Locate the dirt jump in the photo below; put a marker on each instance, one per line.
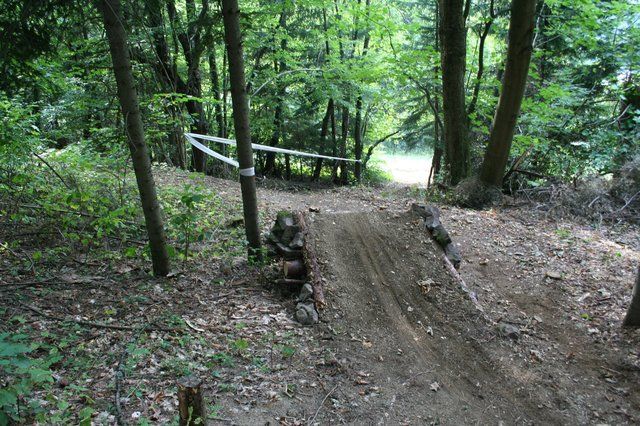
(417, 346)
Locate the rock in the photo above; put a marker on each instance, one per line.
(430, 214)
(453, 254)
(441, 236)
(306, 313)
(508, 330)
(297, 242)
(285, 227)
(287, 252)
(289, 233)
(555, 275)
(272, 237)
(284, 219)
(306, 293)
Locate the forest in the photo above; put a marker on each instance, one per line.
(202, 219)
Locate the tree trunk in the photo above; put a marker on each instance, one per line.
(373, 146)
(240, 101)
(632, 319)
(330, 106)
(334, 143)
(483, 38)
(323, 137)
(279, 67)
(453, 56)
(225, 91)
(436, 161)
(344, 173)
(192, 44)
(215, 86)
(287, 167)
(214, 76)
(166, 72)
(139, 154)
(358, 132)
(514, 83)
(357, 138)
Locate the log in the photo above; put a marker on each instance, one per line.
(293, 268)
(311, 263)
(290, 282)
(463, 286)
(191, 402)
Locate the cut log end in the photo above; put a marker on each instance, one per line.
(191, 405)
(293, 268)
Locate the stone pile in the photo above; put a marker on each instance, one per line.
(287, 240)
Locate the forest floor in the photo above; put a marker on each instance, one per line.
(399, 342)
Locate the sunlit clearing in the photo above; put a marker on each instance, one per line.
(410, 169)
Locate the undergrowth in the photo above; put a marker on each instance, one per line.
(81, 206)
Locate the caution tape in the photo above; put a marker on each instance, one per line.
(212, 153)
(193, 136)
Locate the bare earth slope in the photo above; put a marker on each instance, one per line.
(429, 353)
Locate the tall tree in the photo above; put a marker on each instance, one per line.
(453, 56)
(357, 125)
(165, 68)
(330, 113)
(194, 37)
(113, 25)
(240, 102)
(215, 87)
(436, 162)
(279, 67)
(521, 29)
(484, 33)
(324, 130)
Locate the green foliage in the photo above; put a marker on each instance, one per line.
(186, 218)
(19, 135)
(23, 374)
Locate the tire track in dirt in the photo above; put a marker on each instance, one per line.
(386, 293)
(375, 262)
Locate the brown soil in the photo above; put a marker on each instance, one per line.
(388, 288)
(372, 359)
(410, 325)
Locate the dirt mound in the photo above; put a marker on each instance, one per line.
(416, 339)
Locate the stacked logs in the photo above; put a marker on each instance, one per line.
(431, 217)
(288, 238)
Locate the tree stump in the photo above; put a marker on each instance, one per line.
(191, 402)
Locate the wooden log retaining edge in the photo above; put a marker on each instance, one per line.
(311, 262)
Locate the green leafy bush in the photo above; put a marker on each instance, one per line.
(21, 375)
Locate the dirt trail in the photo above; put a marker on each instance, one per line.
(407, 329)
(373, 360)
